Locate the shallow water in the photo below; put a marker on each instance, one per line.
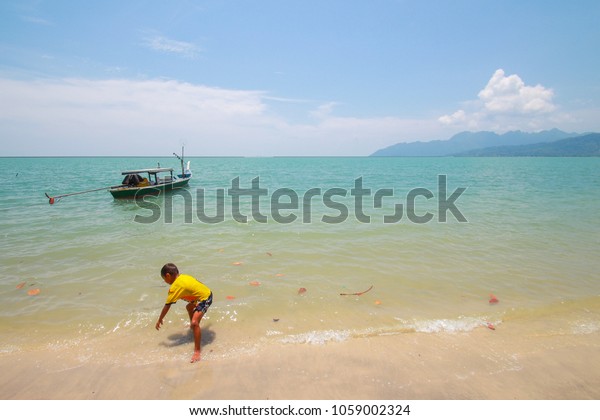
(532, 239)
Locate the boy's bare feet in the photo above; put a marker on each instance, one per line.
(196, 356)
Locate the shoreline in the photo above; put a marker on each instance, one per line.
(478, 365)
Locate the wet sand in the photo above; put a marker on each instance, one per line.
(482, 364)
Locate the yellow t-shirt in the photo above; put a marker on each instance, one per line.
(187, 288)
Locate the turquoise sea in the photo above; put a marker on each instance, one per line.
(531, 238)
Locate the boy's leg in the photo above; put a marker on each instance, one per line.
(190, 308)
(195, 325)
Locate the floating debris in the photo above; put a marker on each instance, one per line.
(377, 302)
(275, 319)
(301, 291)
(33, 292)
(279, 275)
(357, 293)
(229, 297)
(490, 326)
(269, 254)
(493, 299)
(21, 285)
(254, 283)
(238, 263)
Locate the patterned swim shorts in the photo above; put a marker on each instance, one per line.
(203, 305)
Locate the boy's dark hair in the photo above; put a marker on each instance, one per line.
(169, 268)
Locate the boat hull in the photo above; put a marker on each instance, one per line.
(136, 192)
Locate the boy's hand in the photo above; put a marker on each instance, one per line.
(162, 315)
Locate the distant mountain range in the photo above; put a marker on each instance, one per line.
(513, 143)
(586, 145)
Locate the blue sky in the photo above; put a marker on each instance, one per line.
(268, 78)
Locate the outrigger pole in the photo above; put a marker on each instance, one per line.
(52, 200)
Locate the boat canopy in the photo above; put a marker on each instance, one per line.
(147, 171)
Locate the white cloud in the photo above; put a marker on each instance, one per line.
(509, 94)
(458, 116)
(36, 20)
(323, 110)
(118, 116)
(507, 103)
(163, 44)
(150, 117)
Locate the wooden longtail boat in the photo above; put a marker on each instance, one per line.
(141, 182)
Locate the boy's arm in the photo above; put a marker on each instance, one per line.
(164, 311)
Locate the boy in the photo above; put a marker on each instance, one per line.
(191, 290)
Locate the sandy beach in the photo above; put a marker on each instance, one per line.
(507, 363)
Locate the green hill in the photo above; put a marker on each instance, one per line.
(466, 141)
(585, 145)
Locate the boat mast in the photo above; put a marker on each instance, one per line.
(181, 159)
